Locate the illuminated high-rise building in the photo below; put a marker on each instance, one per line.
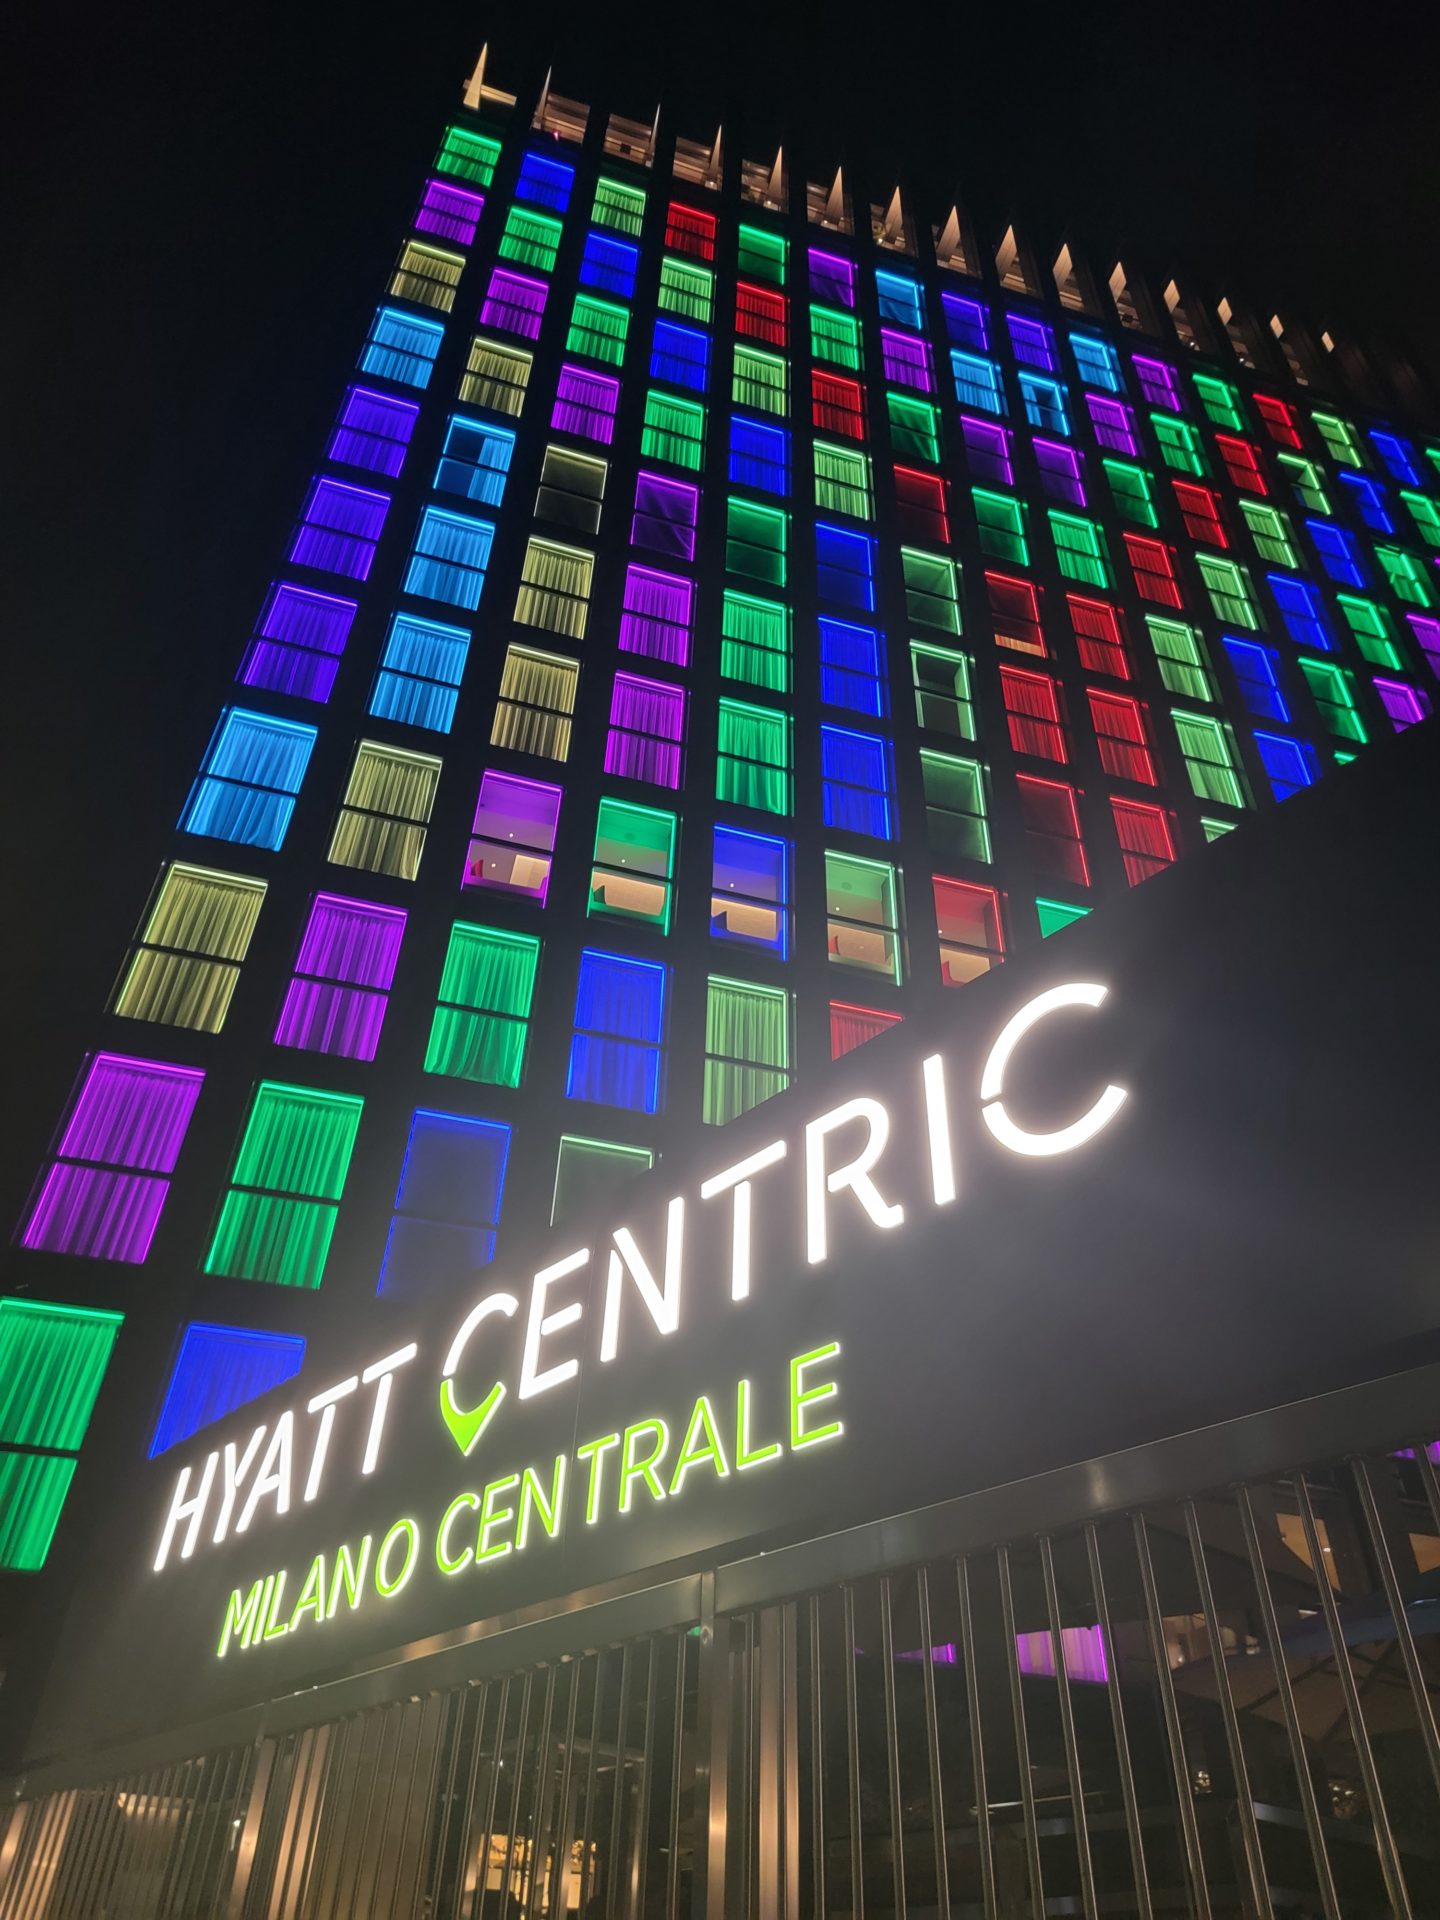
(734, 613)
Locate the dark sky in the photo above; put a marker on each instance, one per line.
(204, 202)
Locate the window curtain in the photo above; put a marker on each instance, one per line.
(585, 405)
(217, 1370)
(32, 1493)
(298, 1140)
(203, 912)
(620, 997)
(304, 619)
(647, 725)
(514, 305)
(340, 526)
(665, 515)
(352, 941)
(530, 238)
(272, 1239)
(449, 558)
(555, 588)
(131, 1113)
(389, 781)
(755, 641)
(323, 1018)
(754, 752)
(673, 431)
(906, 362)
(373, 431)
(488, 970)
(656, 615)
(747, 1023)
(401, 347)
(454, 1168)
(495, 377)
(449, 212)
(760, 456)
(52, 1361)
(425, 649)
(851, 1027)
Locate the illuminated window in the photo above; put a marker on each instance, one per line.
(339, 528)
(688, 230)
(468, 155)
(762, 314)
(842, 481)
(852, 667)
(1032, 710)
(862, 914)
(401, 347)
(845, 567)
(750, 890)
(588, 1171)
(1147, 845)
(598, 329)
(755, 641)
(1080, 549)
(279, 1214)
(216, 1370)
(617, 1052)
(533, 240)
(851, 1027)
(920, 505)
(634, 863)
(914, 427)
(1097, 362)
(495, 376)
(1280, 420)
(188, 950)
(572, 492)
(427, 275)
(1131, 488)
(835, 337)
(1179, 444)
(1427, 634)
(1153, 565)
(687, 290)
(545, 182)
(832, 280)
(475, 460)
(1052, 829)
(1340, 441)
(1333, 690)
(52, 1362)
(837, 405)
(900, 300)
(1228, 586)
(857, 782)
(512, 836)
(1426, 515)
(1306, 479)
(447, 1205)
(1033, 343)
(1406, 576)
(761, 381)
(1404, 706)
(987, 450)
(1061, 476)
(420, 673)
(666, 512)
(647, 730)
(1044, 402)
(1373, 630)
(674, 430)
(966, 322)
(756, 539)
(1220, 401)
(1290, 765)
(585, 404)
(482, 1009)
(249, 778)
(386, 810)
(943, 699)
(1099, 637)
(1398, 455)
(514, 304)
(1122, 737)
(1055, 915)
(618, 205)
(657, 609)
(1001, 521)
(1114, 424)
(1302, 608)
(967, 919)
(759, 456)
(906, 362)
(1271, 533)
(747, 1047)
(956, 822)
(1211, 760)
(1158, 383)
(449, 558)
(1369, 498)
(932, 590)
(761, 256)
(537, 699)
(977, 382)
(374, 431)
(1181, 657)
(753, 765)
(606, 264)
(1200, 510)
(680, 355)
(1242, 463)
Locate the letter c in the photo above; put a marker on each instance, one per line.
(992, 1078)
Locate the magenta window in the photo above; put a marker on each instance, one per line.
(987, 450)
(1427, 632)
(373, 432)
(906, 361)
(339, 528)
(298, 643)
(585, 404)
(449, 211)
(1114, 424)
(656, 614)
(1404, 706)
(665, 515)
(513, 836)
(102, 1196)
(1158, 383)
(647, 730)
(514, 304)
(1060, 473)
(336, 1002)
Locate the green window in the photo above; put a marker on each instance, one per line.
(753, 768)
(1374, 634)
(278, 1217)
(634, 863)
(1208, 746)
(495, 376)
(686, 289)
(955, 811)
(755, 641)
(1002, 526)
(427, 275)
(1131, 488)
(1179, 443)
(1080, 549)
(1332, 688)
(618, 206)
(188, 951)
(1406, 576)
(756, 539)
(914, 427)
(1228, 586)
(52, 1361)
(747, 1047)
(1182, 659)
(1339, 438)
(588, 1171)
(842, 481)
(862, 916)
(932, 590)
(761, 256)
(835, 336)
(386, 811)
(943, 700)
(1215, 829)
(598, 329)
(1272, 534)
(1306, 479)
(482, 1010)
(1055, 915)
(1221, 402)
(468, 156)
(1425, 514)
(761, 381)
(531, 238)
(674, 430)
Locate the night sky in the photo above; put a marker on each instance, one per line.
(205, 202)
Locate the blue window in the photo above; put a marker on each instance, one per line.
(339, 528)
(858, 781)
(1033, 343)
(1339, 552)
(900, 300)
(1289, 764)
(1259, 679)
(852, 667)
(977, 382)
(249, 779)
(616, 1053)
(218, 1369)
(449, 558)
(680, 355)
(750, 890)
(845, 567)
(544, 182)
(609, 264)
(1303, 611)
(475, 461)
(1097, 360)
(401, 347)
(759, 456)
(1398, 455)
(373, 431)
(1045, 403)
(966, 322)
(420, 673)
(447, 1205)
(1369, 497)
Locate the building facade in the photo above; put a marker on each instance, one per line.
(732, 615)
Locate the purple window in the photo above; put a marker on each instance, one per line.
(1427, 633)
(831, 278)
(1114, 424)
(665, 515)
(966, 322)
(1033, 341)
(1404, 706)
(514, 836)
(339, 528)
(1060, 473)
(647, 730)
(987, 450)
(373, 432)
(336, 1002)
(514, 304)
(585, 404)
(299, 641)
(449, 211)
(656, 615)
(906, 360)
(104, 1192)
(1158, 383)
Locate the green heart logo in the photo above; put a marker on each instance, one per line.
(466, 1424)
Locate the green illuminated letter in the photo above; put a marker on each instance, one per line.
(532, 1496)
(350, 1575)
(492, 1515)
(386, 1586)
(745, 1454)
(273, 1632)
(632, 1469)
(443, 1557)
(594, 1451)
(312, 1593)
(701, 1442)
(241, 1618)
(802, 1396)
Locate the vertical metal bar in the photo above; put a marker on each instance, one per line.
(130, 1834)
(83, 1821)
(983, 1837)
(459, 1701)
(192, 1894)
(1414, 1672)
(422, 1759)
(713, 1750)
(286, 1823)
(492, 1797)
(790, 1713)
(852, 1757)
(1198, 1890)
(185, 1788)
(932, 1749)
(892, 1751)
(1379, 1818)
(817, 1766)
(434, 1724)
(1022, 1740)
(748, 1753)
(672, 1857)
(531, 1821)
(769, 1757)
(472, 1782)
(30, 1875)
(318, 1790)
(635, 1898)
(150, 1856)
(1067, 1728)
(333, 1813)
(1144, 1907)
(512, 1818)
(617, 1804)
(597, 1707)
(563, 1825)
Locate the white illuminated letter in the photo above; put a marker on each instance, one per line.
(937, 1125)
(992, 1079)
(236, 1468)
(324, 1404)
(540, 1325)
(663, 1303)
(274, 1474)
(855, 1174)
(183, 1509)
(382, 1371)
(737, 1179)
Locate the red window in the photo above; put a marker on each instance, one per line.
(1032, 707)
(1201, 511)
(851, 1027)
(1153, 564)
(836, 405)
(1099, 638)
(1015, 611)
(1146, 843)
(688, 230)
(1243, 461)
(760, 314)
(967, 918)
(920, 505)
(1052, 827)
(1280, 418)
(1121, 736)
